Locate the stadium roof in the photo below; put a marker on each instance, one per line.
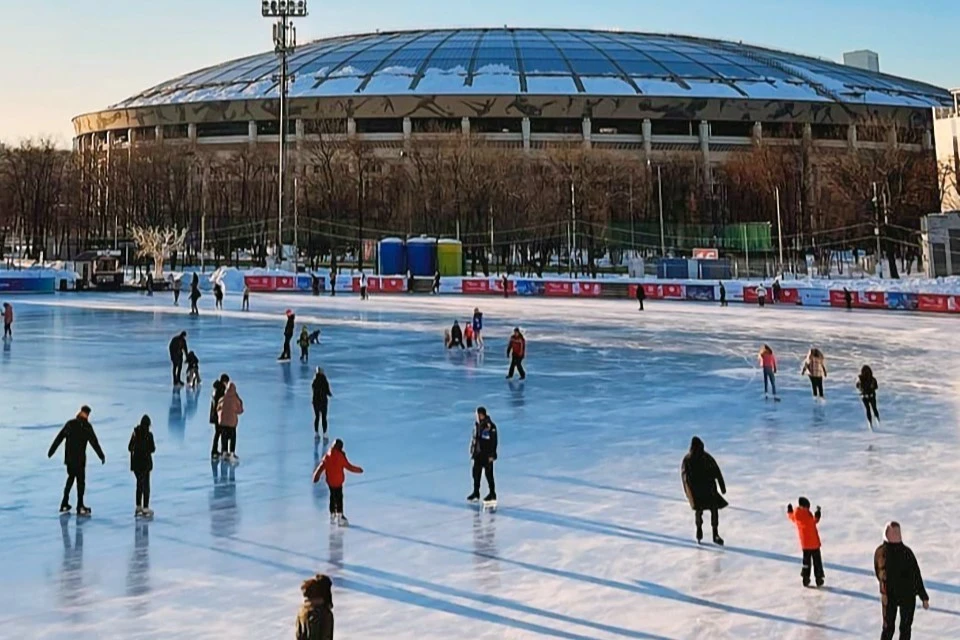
(504, 61)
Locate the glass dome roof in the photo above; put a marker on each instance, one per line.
(563, 62)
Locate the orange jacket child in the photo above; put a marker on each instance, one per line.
(809, 539)
(335, 463)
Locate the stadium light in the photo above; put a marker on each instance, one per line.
(284, 42)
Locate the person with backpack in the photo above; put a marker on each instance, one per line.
(321, 401)
(142, 448)
(315, 619)
(334, 463)
(867, 386)
(806, 523)
(78, 433)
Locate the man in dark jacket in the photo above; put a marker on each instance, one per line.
(178, 350)
(288, 336)
(78, 433)
(456, 335)
(701, 476)
(777, 289)
(483, 451)
(723, 295)
(142, 448)
(641, 295)
(900, 583)
(321, 396)
(517, 350)
(847, 299)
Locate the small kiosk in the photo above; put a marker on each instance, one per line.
(99, 270)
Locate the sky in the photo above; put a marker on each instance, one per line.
(68, 57)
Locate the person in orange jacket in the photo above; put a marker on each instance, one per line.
(809, 539)
(335, 463)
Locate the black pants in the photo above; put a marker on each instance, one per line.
(319, 414)
(456, 342)
(285, 354)
(219, 304)
(336, 500)
(245, 305)
(516, 364)
(762, 301)
(217, 436)
(80, 475)
(7, 330)
(484, 466)
(176, 294)
(723, 301)
(304, 352)
(363, 293)
(870, 404)
(228, 439)
(714, 520)
(816, 383)
(890, 620)
(193, 306)
(143, 489)
(641, 304)
(814, 556)
(177, 370)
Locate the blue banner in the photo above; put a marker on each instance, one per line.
(700, 292)
(528, 287)
(16, 284)
(902, 301)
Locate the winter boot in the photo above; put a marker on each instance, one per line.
(717, 540)
(343, 521)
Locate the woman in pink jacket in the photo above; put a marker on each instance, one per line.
(769, 364)
(229, 409)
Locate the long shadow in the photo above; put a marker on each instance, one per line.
(600, 582)
(399, 595)
(467, 595)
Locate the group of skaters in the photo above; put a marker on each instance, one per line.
(195, 294)
(472, 333)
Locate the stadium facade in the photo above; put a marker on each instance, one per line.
(529, 89)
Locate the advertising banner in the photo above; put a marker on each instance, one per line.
(872, 299)
(558, 289)
(392, 285)
(529, 288)
(953, 304)
(902, 301)
(28, 285)
(260, 284)
(789, 296)
(700, 292)
(932, 302)
(305, 282)
(473, 286)
(672, 291)
(586, 289)
(496, 286)
(837, 298)
(814, 297)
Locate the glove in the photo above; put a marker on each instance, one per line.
(790, 507)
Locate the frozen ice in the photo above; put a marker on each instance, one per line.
(593, 538)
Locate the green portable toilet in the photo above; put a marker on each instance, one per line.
(450, 257)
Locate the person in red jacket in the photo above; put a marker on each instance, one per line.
(809, 539)
(517, 349)
(7, 320)
(335, 463)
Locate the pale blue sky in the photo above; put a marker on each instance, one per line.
(66, 57)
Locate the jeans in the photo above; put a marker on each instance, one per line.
(228, 439)
(484, 466)
(336, 500)
(890, 620)
(816, 383)
(304, 353)
(769, 375)
(143, 489)
(319, 413)
(814, 556)
(80, 475)
(516, 364)
(870, 404)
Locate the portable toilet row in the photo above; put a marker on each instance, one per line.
(422, 256)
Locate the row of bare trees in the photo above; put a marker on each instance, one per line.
(520, 208)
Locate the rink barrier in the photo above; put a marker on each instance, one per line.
(27, 284)
(586, 288)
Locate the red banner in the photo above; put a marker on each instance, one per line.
(953, 304)
(837, 298)
(673, 291)
(932, 302)
(496, 286)
(391, 285)
(286, 283)
(259, 284)
(476, 286)
(587, 289)
(871, 299)
(373, 285)
(558, 289)
(789, 296)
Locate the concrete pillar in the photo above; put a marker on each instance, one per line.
(525, 130)
(251, 132)
(465, 126)
(192, 132)
(807, 133)
(300, 127)
(131, 136)
(587, 132)
(158, 133)
(351, 127)
(927, 140)
(704, 135)
(647, 131)
(852, 136)
(407, 129)
(757, 133)
(892, 137)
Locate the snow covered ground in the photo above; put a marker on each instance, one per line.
(593, 538)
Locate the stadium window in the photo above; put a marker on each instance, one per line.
(272, 127)
(731, 129)
(672, 128)
(379, 125)
(145, 134)
(221, 129)
(614, 127)
(782, 130)
(496, 125)
(910, 135)
(556, 125)
(325, 126)
(175, 131)
(435, 125)
(829, 131)
(872, 133)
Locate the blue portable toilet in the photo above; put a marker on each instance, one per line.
(393, 257)
(422, 256)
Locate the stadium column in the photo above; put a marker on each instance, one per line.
(351, 127)
(465, 126)
(705, 150)
(252, 132)
(192, 132)
(587, 131)
(927, 140)
(525, 129)
(158, 133)
(131, 137)
(757, 133)
(647, 131)
(852, 136)
(407, 130)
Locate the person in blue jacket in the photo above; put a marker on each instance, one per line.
(478, 327)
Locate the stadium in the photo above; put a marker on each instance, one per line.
(530, 89)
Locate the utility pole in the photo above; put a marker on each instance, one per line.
(573, 225)
(779, 228)
(877, 230)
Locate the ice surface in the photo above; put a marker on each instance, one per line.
(593, 537)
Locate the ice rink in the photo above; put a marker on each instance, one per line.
(593, 538)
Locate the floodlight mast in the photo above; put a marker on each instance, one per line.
(284, 42)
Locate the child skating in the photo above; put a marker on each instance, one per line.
(334, 463)
(867, 386)
(193, 370)
(815, 366)
(809, 539)
(304, 343)
(141, 450)
(769, 364)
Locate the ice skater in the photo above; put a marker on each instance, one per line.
(411, 283)
(334, 463)
(333, 281)
(178, 349)
(315, 284)
(505, 281)
(517, 350)
(456, 336)
(142, 448)
(193, 370)
(194, 297)
(229, 410)
(468, 334)
(478, 327)
(177, 282)
(245, 304)
(806, 523)
(321, 401)
(847, 299)
(777, 291)
(7, 320)
(815, 366)
(641, 296)
(314, 337)
(867, 386)
(701, 476)
(436, 283)
(149, 284)
(901, 583)
(219, 388)
(304, 343)
(315, 620)
(363, 286)
(78, 433)
(761, 295)
(723, 295)
(483, 452)
(768, 362)
(218, 295)
(287, 336)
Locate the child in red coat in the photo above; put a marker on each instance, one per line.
(335, 463)
(809, 539)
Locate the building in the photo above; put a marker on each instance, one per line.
(940, 234)
(863, 59)
(946, 130)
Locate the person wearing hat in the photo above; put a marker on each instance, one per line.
(141, 450)
(78, 433)
(288, 336)
(321, 396)
(178, 350)
(901, 583)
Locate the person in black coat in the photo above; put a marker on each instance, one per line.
(847, 299)
(723, 295)
(901, 583)
(701, 476)
(219, 388)
(321, 396)
(641, 295)
(194, 297)
(149, 284)
(78, 433)
(218, 295)
(288, 335)
(456, 336)
(483, 451)
(142, 448)
(178, 350)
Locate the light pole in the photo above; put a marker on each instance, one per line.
(776, 192)
(663, 241)
(284, 41)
